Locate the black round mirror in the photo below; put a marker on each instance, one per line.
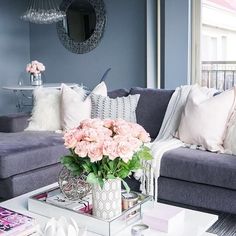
(81, 20)
(83, 26)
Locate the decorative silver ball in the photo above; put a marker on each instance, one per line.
(73, 187)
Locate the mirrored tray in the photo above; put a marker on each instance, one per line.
(52, 203)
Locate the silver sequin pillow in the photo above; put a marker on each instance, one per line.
(114, 108)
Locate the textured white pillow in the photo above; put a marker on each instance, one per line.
(114, 108)
(46, 110)
(76, 106)
(204, 119)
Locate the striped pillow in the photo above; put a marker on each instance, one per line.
(120, 107)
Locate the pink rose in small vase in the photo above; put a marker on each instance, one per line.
(35, 67)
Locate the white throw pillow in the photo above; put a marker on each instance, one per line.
(46, 110)
(76, 106)
(204, 119)
(230, 139)
(114, 108)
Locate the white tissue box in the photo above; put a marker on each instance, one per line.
(165, 218)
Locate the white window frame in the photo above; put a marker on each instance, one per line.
(195, 42)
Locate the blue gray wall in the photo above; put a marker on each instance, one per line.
(123, 48)
(176, 43)
(14, 50)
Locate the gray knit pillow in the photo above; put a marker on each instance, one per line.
(120, 107)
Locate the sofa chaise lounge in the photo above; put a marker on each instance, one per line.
(29, 160)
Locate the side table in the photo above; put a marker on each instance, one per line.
(23, 93)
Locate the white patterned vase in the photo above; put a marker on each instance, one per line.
(107, 201)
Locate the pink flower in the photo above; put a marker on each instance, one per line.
(120, 138)
(81, 149)
(135, 143)
(40, 67)
(91, 123)
(96, 123)
(95, 152)
(112, 138)
(90, 135)
(108, 123)
(35, 67)
(78, 134)
(105, 132)
(119, 126)
(70, 139)
(144, 137)
(125, 151)
(85, 123)
(110, 149)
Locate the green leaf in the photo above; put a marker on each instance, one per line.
(101, 182)
(109, 176)
(72, 166)
(92, 179)
(94, 167)
(67, 160)
(127, 188)
(86, 168)
(134, 163)
(111, 165)
(123, 173)
(145, 154)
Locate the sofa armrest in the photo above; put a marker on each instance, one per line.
(14, 122)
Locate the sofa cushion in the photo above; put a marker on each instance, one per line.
(194, 195)
(200, 167)
(29, 181)
(151, 108)
(14, 122)
(118, 93)
(24, 151)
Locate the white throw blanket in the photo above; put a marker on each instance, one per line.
(165, 141)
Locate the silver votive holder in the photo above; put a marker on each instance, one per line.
(129, 199)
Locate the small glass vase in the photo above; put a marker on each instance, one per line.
(36, 79)
(107, 201)
(73, 187)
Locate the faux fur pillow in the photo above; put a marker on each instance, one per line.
(46, 110)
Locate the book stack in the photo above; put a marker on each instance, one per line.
(82, 206)
(16, 224)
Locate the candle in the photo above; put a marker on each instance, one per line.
(129, 199)
(137, 230)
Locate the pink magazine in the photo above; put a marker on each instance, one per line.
(12, 222)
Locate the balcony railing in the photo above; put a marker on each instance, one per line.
(218, 74)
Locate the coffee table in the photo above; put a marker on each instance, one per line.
(196, 223)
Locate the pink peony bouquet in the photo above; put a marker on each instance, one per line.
(35, 67)
(106, 149)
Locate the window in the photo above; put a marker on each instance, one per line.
(214, 33)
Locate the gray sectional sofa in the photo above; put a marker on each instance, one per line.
(29, 160)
